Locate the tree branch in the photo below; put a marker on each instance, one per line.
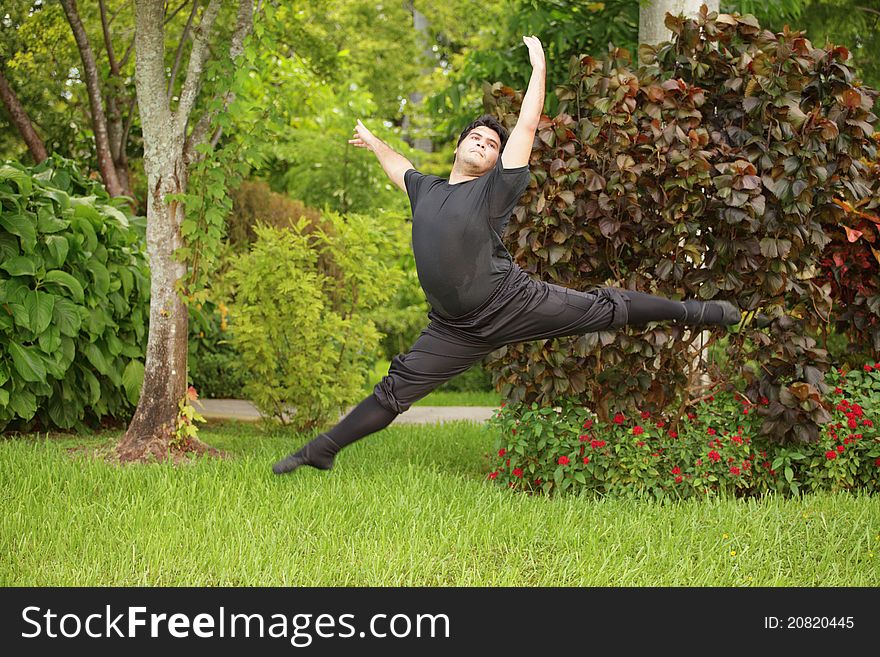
(21, 120)
(191, 85)
(99, 121)
(150, 68)
(244, 25)
(108, 43)
(180, 46)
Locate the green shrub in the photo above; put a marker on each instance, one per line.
(74, 299)
(305, 338)
(715, 448)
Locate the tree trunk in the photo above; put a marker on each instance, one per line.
(652, 15)
(21, 120)
(420, 24)
(151, 430)
(92, 80)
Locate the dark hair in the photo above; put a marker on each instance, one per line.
(488, 121)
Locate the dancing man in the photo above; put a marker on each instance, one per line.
(480, 299)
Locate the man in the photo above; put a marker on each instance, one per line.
(480, 300)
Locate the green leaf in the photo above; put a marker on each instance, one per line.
(24, 403)
(19, 266)
(93, 385)
(66, 317)
(21, 226)
(4, 396)
(66, 280)
(40, 306)
(100, 275)
(58, 249)
(96, 357)
(789, 474)
(20, 178)
(50, 339)
(27, 362)
(132, 380)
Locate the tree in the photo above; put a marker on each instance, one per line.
(652, 16)
(171, 144)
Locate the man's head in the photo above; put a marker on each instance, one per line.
(480, 145)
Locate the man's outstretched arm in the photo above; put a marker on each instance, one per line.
(394, 163)
(519, 144)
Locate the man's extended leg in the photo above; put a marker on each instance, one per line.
(437, 356)
(543, 310)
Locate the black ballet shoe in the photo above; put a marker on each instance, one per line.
(721, 313)
(319, 453)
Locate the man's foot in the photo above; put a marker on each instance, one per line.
(711, 312)
(319, 453)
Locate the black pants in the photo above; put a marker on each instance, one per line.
(519, 310)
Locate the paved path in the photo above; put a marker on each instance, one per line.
(240, 409)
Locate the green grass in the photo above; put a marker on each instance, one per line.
(409, 506)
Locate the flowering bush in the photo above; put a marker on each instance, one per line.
(716, 447)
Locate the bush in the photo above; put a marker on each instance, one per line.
(715, 448)
(74, 299)
(305, 337)
(709, 172)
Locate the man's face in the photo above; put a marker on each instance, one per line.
(478, 151)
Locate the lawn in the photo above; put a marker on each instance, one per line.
(409, 506)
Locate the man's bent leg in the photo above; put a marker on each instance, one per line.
(437, 356)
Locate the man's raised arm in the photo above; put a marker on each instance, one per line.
(519, 144)
(394, 163)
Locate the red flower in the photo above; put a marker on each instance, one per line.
(764, 401)
(640, 444)
(508, 463)
(766, 464)
(660, 424)
(857, 410)
(851, 423)
(736, 439)
(586, 460)
(745, 411)
(711, 431)
(734, 470)
(692, 416)
(502, 452)
(839, 391)
(673, 434)
(493, 475)
(867, 368)
(867, 423)
(563, 460)
(714, 456)
(517, 472)
(840, 449)
(676, 470)
(584, 438)
(877, 463)
(596, 444)
(699, 461)
(645, 415)
(513, 431)
(588, 424)
(503, 404)
(830, 455)
(678, 480)
(637, 430)
(618, 418)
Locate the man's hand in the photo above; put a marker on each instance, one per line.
(536, 52)
(363, 138)
(394, 164)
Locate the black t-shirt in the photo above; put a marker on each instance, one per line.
(457, 232)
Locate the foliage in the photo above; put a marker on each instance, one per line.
(851, 265)
(186, 430)
(74, 290)
(709, 174)
(715, 448)
(305, 337)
